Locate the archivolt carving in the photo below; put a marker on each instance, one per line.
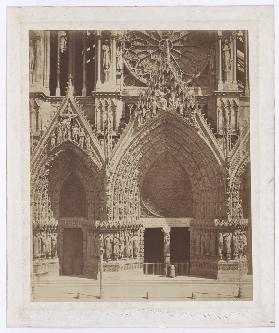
(164, 135)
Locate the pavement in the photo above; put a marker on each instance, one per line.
(145, 287)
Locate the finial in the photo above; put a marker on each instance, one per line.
(70, 88)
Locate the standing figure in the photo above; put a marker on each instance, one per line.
(54, 245)
(81, 137)
(106, 61)
(75, 131)
(119, 59)
(43, 244)
(59, 133)
(87, 141)
(106, 56)
(108, 248)
(36, 251)
(68, 128)
(52, 140)
(235, 239)
(228, 238)
(227, 60)
(220, 245)
(122, 246)
(32, 55)
(154, 106)
(48, 245)
(115, 249)
(135, 248)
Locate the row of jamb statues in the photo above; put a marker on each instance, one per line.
(45, 243)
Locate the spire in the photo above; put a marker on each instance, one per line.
(70, 88)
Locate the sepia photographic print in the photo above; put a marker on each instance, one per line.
(141, 173)
(140, 164)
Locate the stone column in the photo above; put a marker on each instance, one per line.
(84, 64)
(98, 60)
(58, 92)
(246, 63)
(166, 233)
(220, 81)
(46, 72)
(113, 58)
(234, 59)
(71, 55)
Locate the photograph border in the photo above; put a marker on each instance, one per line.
(258, 20)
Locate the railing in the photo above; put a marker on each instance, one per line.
(181, 268)
(153, 268)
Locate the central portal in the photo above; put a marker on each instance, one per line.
(72, 251)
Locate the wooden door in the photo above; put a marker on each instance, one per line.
(72, 251)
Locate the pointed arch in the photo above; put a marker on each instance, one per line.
(70, 119)
(169, 134)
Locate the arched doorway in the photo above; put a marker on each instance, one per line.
(167, 161)
(72, 204)
(166, 196)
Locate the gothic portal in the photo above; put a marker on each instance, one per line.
(140, 148)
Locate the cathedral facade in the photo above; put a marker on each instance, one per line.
(140, 152)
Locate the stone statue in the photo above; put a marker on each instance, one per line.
(81, 137)
(126, 247)
(43, 244)
(62, 41)
(228, 238)
(48, 245)
(181, 108)
(162, 102)
(166, 242)
(235, 239)
(122, 247)
(52, 140)
(243, 245)
(154, 106)
(106, 56)
(119, 59)
(75, 132)
(32, 56)
(135, 248)
(59, 133)
(107, 248)
(115, 248)
(87, 141)
(36, 246)
(227, 56)
(220, 245)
